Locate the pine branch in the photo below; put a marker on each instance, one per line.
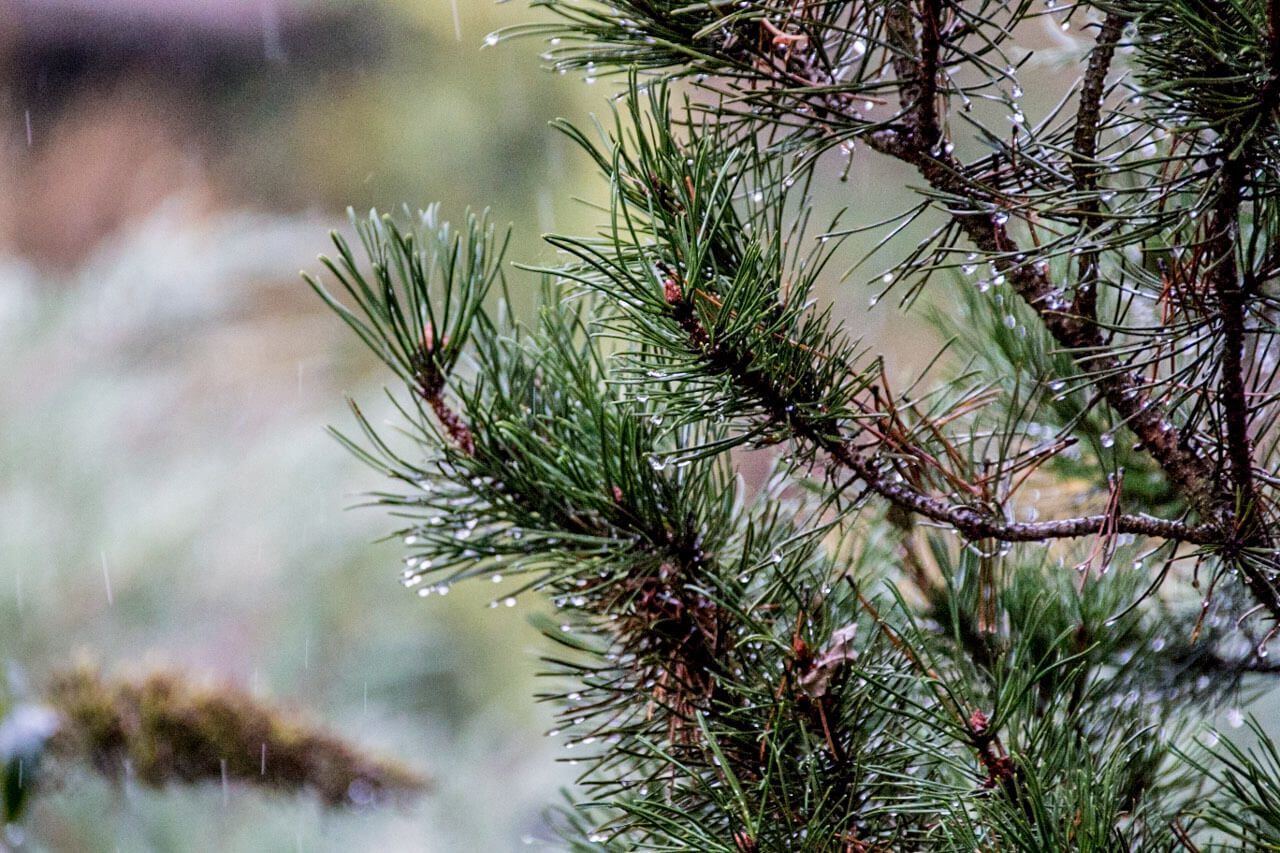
(726, 690)
(1176, 452)
(1076, 334)
(968, 521)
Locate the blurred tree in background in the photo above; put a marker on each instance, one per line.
(994, 605)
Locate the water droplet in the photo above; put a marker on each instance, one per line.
(1107, 439)
(1000, 218)
(491, 39)
(510, 601)
(1235, 718)
(497, 578)
(657, 464)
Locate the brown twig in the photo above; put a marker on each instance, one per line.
(1084, 149)
(1224, 278)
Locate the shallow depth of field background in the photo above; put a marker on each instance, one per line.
(169, 497)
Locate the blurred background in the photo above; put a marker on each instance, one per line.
(169, 497)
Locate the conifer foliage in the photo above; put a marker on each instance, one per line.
(995, 606)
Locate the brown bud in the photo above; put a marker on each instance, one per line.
(978, 722)
(671, 291)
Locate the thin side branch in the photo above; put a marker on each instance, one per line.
(1084, 150)
(430, 386)
(1225, 280)
(928, 128)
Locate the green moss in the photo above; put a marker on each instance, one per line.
(164, 730)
